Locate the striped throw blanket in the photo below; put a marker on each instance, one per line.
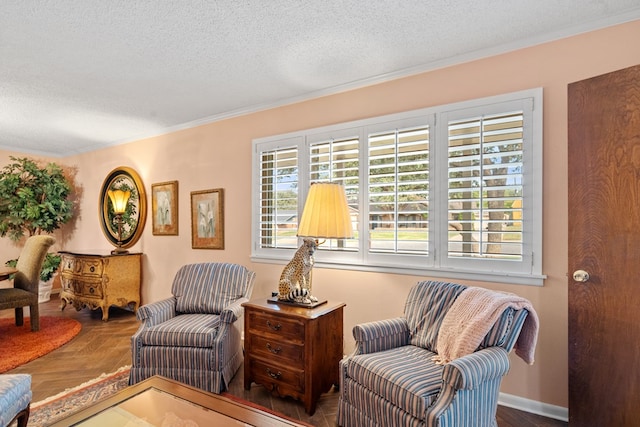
(472, 315)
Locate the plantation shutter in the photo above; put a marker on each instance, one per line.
(278, 198)
(398, 189)
(337, 161)
(452, 191)
(485, 187)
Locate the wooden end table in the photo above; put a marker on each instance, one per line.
(293, 351)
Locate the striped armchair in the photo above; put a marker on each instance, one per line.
(194, 336)
(392, 378)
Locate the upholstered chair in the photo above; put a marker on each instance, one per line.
(396, 377)
(15, 399)
(195, 335)
(27, 281)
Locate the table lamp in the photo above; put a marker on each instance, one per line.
(325, 216)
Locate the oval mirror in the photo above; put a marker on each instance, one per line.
(123, 230)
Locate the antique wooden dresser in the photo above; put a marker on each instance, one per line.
(100, 281)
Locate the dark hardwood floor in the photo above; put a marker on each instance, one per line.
(103, 347)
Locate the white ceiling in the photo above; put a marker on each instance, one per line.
(79, 75)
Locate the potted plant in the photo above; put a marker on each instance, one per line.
(34, 200)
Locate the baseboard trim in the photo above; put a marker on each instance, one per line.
(534, 407)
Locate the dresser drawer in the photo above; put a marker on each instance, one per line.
(91, 267)
(82, 266)
(68, 264)
(91, 290)
(280, 377)
(277, 350)
(81, 287)
(288, 329)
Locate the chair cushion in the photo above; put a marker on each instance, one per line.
(426, 306)
(12, 298)
(185, 330)
(208, 287)
(405, 376)
(15, 395)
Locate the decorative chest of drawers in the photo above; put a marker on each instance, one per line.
(100, 281)
(293, 351)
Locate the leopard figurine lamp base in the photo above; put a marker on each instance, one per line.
(295, 280)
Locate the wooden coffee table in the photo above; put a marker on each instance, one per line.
(159, 400)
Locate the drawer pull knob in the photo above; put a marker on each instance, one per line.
(273, 375)
(274, 327)
(92, 269)
(274, 350)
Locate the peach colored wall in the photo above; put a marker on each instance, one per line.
(218, 155)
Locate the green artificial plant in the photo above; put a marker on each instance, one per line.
(34, 200)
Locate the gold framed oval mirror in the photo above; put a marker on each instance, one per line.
(123, 229)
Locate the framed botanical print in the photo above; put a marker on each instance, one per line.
(164, 205)
(207, 219)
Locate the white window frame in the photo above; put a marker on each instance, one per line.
(436, 264)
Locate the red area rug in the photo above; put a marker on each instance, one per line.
(20, 345)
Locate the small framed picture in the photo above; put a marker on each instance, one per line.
(164, 205)
(207, 219)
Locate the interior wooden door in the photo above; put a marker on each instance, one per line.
(604, 241)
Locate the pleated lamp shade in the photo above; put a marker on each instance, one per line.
(326, 213)
(119, 199)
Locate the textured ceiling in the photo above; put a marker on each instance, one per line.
(79, 75)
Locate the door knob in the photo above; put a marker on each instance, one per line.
(580, 276)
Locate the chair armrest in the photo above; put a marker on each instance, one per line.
(469, 371)
(380, 335)
(157, 312)
(233, 311)
(470, 388)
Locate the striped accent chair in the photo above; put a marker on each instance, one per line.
(194, 336)
(391, 379)
(15, 399)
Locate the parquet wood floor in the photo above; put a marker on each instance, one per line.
(103, 347)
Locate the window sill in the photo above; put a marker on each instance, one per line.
(482, 276)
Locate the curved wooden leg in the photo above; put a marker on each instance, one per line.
(105, 313)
